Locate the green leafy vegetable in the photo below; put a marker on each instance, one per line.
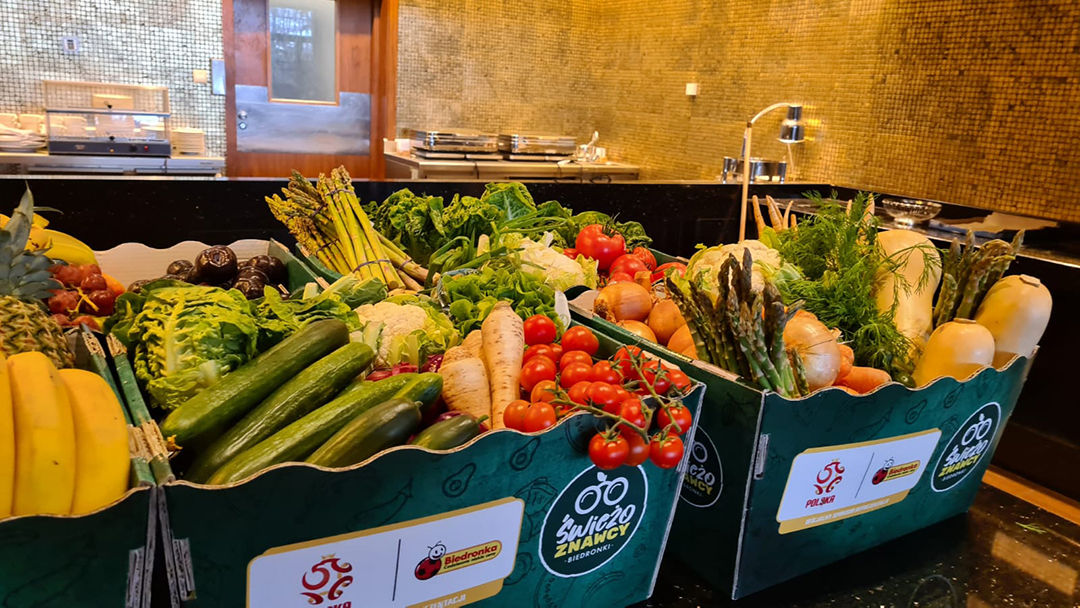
(414, 222)
(835, 264)
(472, 296)
(184, 337)
(511, 198)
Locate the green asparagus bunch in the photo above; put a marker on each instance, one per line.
(740, 330)
(969, 272)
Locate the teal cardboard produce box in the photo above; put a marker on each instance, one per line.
(508, 519)
(105, 557)
(775, 488)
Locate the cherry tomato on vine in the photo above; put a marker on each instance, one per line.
(579, 392)
(539, 416)
(604, 396)
(544, 391)
(602, 372)
(631, 411)
(580, 338)
(623, 393)
(556, 351)
(540, 330)
(645, 256)
(575, 356)
(574, 373)
(675, 413)
(639, 449)
(608, 453)
(666, 453)
(619, 277)
(593, 242)
(679, 381)
(657, 376)
(535, 370)
(542, 350)
(623, 359)
(514, 414)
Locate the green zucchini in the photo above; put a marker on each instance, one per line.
(426, 389)
(299, 439)
(304, 392)
(383, 426)
(449, 433)
(207, 414)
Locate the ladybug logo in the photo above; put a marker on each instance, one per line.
(882, 473)
(430, 565)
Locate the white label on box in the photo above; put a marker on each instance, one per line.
(836, 482)
(451, 559)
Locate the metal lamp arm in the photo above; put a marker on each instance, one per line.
(746, 162)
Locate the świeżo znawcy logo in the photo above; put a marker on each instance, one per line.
(704, 478)
(592, 519)
(967, 447)
(439, 561)
(326, 581)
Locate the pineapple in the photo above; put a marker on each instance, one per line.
(25, 280)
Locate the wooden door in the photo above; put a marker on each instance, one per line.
(310, 85)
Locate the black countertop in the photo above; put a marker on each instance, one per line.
(1003, 553)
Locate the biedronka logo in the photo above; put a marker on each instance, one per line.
(326, 581)
(967, 447)
(592, 519)
(439, 561)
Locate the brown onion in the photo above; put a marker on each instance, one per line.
(664, 319)
(623, 301)
(817, 346)
(638, 328)
(682, 342)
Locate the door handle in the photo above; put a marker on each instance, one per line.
(242, 114)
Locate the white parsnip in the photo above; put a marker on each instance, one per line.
(465, 386)
(503, 336)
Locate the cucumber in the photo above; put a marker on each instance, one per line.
(449, 433)
(209, 413)
(304, 392)
(426, 389)
(299, 439)
(383, 426)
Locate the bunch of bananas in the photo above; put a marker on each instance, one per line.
(63, 439)
(57, 245)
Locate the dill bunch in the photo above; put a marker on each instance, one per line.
(838, 265)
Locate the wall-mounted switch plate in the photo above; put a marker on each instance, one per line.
(200, 76)
(691, 89)
(70, 45)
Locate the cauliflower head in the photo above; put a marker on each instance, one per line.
(404, 330)
(707, 262)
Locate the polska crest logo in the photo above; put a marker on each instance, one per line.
(592, 519)
(326, 581)
(828, 478)
(967, 447)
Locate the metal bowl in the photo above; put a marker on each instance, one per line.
(907, 212)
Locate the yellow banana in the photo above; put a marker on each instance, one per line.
(101, 441)
(44, 437)
(69, 249)
(7, 443)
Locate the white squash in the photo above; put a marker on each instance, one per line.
(914, 306)
(1016, 310)
(956, 349)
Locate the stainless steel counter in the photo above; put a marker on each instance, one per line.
(43, 162)
(406, 166)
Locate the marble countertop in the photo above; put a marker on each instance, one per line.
(1003, 553)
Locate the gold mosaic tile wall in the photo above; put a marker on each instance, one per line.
(968, 101)
(154, 42)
